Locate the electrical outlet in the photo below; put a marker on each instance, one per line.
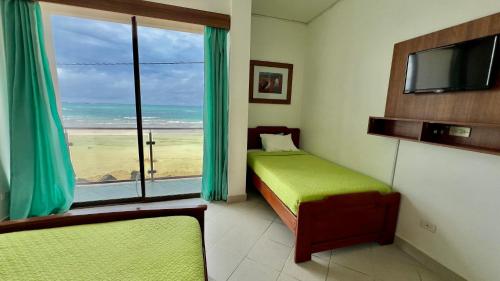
(456, 131)
(428, 226)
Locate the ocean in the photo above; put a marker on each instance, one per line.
(86, 115)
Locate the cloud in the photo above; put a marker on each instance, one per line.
(83, 40)
(79, 40)
(157, 44)
(89, 84)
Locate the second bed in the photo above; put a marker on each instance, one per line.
(325, 205)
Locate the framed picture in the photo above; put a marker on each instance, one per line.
(270, 82)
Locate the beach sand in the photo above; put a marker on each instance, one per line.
(98, 154)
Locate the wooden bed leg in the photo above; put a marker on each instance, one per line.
(391, 220)
(303, 250)
(302, 254)
(386, 240)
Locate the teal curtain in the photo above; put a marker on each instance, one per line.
(215, 120)
(42, 178)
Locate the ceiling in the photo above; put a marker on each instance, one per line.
(296, 10)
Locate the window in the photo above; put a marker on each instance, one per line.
(95, 72)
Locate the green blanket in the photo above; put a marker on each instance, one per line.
(166, 248)
(297, 177)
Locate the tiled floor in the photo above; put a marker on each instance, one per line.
(246, 241)
(105, 191)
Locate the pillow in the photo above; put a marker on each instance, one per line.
(273, 143)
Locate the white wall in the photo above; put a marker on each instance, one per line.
(459, 191)
(347, 74)
(279, 41)
(4, 134)
(239, 58)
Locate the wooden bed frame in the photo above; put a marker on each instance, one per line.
(121, 213)
(334, 222)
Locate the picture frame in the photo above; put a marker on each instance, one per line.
(270, 82)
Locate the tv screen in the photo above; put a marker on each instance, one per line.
(460, 67)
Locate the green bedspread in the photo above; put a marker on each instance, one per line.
(166, 248)
(297, 177)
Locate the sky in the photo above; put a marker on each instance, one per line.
(85, 41)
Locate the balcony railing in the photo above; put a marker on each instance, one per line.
(106, 155)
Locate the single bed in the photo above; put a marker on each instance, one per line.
(325, 205)
(135, 244)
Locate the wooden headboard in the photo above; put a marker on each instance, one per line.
(254, 135)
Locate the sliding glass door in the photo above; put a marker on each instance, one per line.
(171, 74)
(131, 100)
(97, 98)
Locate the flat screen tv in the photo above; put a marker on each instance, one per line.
(460, 67)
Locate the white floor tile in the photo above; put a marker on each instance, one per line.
(391, 264)
(358, 258)
(213, 209)
(392, 253)
(270, 253)
(278, 220)
(238, 240)
(280, 233)
(391, 271)
(221, 263)
(214, 231)
(325, 255)
(426, 275)
(250, 270)
(242, 238)
(264, 211)
(340, 273)
(285, 277)
(315, 269)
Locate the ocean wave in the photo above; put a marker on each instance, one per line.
(183, 122)
(120, 116)
(78, 123)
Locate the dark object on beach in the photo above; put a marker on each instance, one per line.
(80, 180)
(108, 177)
(135, 175)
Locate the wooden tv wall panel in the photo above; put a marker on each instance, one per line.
(416, 116)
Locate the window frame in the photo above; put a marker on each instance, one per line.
(49, 10)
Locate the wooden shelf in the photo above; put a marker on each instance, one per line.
(396, 128)
(483, 138)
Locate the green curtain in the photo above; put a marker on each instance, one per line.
(215, 115)
(42, 178)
